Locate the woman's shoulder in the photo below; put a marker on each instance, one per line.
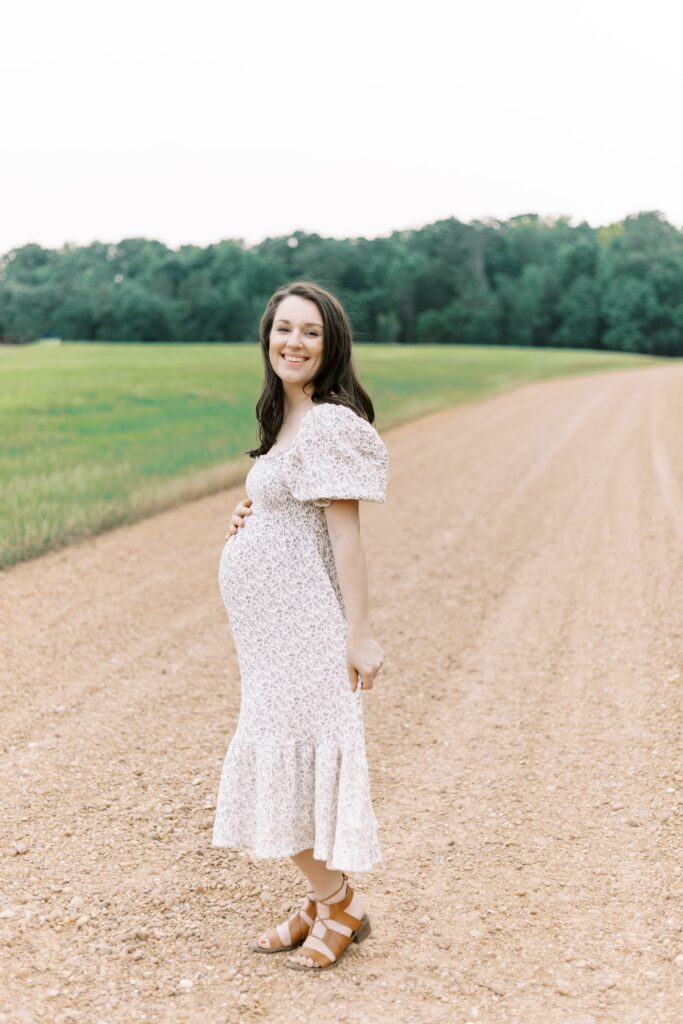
(336, 413)
(338, 454)
(339, 430)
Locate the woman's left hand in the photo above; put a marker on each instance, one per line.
(364, 657)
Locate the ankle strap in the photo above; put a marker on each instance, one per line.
(345, 879)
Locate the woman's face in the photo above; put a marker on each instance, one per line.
(297, 332)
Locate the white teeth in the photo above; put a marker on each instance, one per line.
(295, 359)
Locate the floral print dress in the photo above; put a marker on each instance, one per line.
(295, 774)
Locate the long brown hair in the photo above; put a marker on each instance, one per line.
(335, 381)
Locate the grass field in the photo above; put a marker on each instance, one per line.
(93, 436)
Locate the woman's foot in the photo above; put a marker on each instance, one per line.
(290, 933)
(341, 918)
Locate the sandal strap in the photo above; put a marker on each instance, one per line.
(345, 879)
(342, 917)
(315, 954)
(298, 929)
(298, 925)
(308, 906)
(337, 911)
(334, 942)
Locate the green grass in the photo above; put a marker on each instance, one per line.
(94, 436)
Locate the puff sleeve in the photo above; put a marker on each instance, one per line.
(338, 454)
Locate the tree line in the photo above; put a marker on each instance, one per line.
(524, 281)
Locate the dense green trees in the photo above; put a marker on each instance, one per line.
(525, 281)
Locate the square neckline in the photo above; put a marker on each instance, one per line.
(270, 453)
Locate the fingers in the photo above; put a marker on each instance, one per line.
(237, 519)
(370, 676)
(235, 522)
(366, 680)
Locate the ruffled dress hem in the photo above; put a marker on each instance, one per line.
(347, 862)
(333, 816)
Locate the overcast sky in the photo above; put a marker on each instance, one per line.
(202, 120)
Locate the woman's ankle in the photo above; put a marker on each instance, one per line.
(332, 890)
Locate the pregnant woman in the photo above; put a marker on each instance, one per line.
(293, 579)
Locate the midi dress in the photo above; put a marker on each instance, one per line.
(295, 775)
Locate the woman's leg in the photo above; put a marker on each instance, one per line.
(329, 886)
(323, 881)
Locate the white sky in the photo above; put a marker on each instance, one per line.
(202, 120)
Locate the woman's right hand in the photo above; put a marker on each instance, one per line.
(242, 509)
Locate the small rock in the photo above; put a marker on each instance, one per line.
(186, 983)
(20, 847)
(493, 985)
(7, 913)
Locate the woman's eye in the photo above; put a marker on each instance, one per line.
(311, 334)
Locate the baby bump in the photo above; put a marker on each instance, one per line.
(243, 570)
(278, 574)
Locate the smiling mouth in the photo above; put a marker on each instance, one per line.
(295, 359)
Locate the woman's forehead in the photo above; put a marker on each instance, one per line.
(293, 305)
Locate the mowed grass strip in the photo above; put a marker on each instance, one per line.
(93, 436)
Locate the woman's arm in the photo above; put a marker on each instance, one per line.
(363, 655)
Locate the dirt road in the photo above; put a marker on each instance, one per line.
(524, 741)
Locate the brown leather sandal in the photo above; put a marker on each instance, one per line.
(292, 932)
(324, 944)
